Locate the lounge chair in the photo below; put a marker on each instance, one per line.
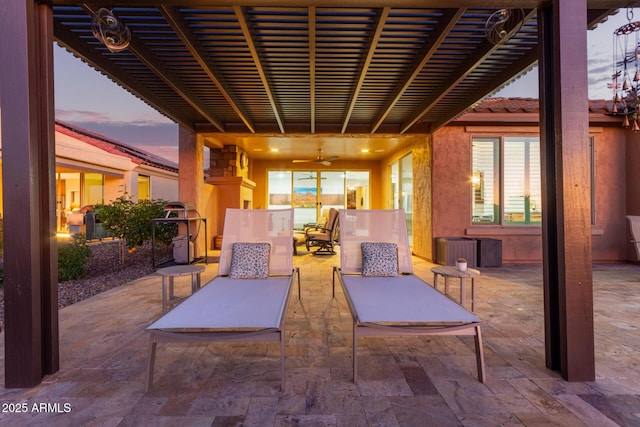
(248, 299)
(385, 298)
(634, 227)
(323, 236)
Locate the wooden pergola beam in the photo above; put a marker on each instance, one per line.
(154, 64)
(243, 20)
(449, 20)
(28, 180)
(566, 194)
(173, 17)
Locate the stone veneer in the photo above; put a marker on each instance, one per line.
(225, 162)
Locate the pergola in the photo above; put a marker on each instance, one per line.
(246, 70)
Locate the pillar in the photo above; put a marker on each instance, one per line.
(28, 169)
(566, 215)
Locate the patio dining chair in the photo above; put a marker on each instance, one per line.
(324, 237)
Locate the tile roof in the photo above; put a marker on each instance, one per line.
(103, 142)
(529, 105)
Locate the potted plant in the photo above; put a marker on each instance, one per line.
(461, 264)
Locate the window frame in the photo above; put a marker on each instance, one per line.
(499, 151)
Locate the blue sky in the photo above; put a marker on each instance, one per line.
(88, 99)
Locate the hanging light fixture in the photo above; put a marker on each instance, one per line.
(625, 82)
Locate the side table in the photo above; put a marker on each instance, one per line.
(168, 273)
(448, 272)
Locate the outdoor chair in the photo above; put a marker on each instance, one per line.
(634, 226)
(383, 294)
(323, 237)
(248, 299)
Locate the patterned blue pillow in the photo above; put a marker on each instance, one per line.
(379, 259)
(250, 261)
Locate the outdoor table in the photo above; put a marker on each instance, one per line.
(450, 271)
(168, 273)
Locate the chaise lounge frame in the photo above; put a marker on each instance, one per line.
(398, 305)
(237, 310)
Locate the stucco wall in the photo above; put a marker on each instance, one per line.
(421, 157)
(452, 196)
(609, 240)
(209, 201)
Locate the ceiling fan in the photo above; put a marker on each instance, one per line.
(311, 176)
(326, 161)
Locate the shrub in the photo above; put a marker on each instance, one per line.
(131, 222)
(72, 257)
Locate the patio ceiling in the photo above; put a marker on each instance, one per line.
(303, 77)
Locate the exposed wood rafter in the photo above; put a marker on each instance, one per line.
(448, 21)
(490, 86)
(243, 20)
(465, 68)
(145, 55)
(312, 66)
(70, 41)
(381, 18)
(173, 17)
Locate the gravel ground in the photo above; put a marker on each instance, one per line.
(104, 272)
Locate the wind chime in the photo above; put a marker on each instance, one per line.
(626, 72)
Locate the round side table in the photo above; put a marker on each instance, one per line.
(168, 273)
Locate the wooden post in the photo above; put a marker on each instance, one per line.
(28, 170)
(566, 220)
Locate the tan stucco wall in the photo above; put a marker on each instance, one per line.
(209, 201)
(421, 157)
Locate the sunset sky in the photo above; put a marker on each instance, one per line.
(88, 99)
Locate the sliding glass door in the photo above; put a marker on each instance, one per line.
(312, 193)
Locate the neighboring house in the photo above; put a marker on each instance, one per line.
(92, 169)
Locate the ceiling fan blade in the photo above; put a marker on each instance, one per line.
(324, 162)
(331, 158)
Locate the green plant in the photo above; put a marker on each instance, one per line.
(72, 257)
(131, 222)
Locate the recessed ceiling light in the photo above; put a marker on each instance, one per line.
(364, 150)
(257, 149)
(379, 151)
(274, 150)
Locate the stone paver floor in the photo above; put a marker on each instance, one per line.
(403, 381)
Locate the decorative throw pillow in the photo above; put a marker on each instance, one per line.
(250, 261)
(379, 259)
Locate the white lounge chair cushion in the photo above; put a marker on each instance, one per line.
(402, 299)
(250, 261)
(379, 259)
(225, 303)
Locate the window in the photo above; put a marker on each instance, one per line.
(144, 187)
(522, 191)
(92, 188)
(312, 193)
(506, 181)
